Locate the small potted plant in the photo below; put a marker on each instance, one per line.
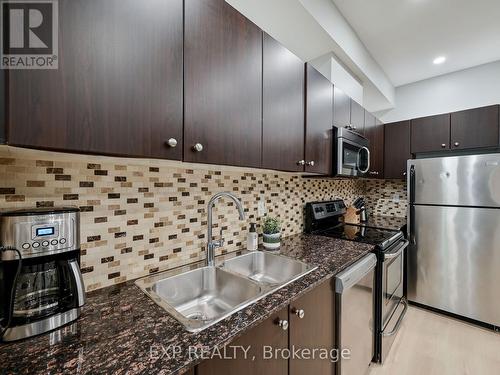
(271, 230)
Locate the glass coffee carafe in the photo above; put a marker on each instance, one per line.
(37, 292)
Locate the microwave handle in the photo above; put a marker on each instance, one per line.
(368, 164)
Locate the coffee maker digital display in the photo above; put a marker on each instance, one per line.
(47, 231)
(44, 289)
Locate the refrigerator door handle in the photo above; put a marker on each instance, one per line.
(412, 179)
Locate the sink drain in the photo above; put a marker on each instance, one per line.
(198, 315)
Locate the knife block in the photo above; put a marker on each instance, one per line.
(352, 216)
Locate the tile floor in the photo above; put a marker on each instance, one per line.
(433, 344)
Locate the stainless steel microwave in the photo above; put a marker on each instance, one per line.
(351, 153)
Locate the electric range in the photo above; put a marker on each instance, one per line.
(325, 219)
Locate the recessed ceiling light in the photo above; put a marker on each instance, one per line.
(439, 60)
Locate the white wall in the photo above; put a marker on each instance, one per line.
(313, 28)
(350, 50)
(343, 79)
(469, 88)
(339, 75)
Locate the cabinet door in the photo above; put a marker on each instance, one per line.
(316, 329)
(396, 149)
(283, 108)
(118, 88)
(430, 133)
(475, 128)
(269, 334)
(223, 85)
(341, 108)
(374, 131)
(319, 119)
(357, 117)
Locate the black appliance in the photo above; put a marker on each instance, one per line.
(351, 153)
(41, 287)
(325, 219)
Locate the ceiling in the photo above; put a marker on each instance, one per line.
(404, 36)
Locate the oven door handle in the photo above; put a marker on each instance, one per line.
(395, 253)
(400, 319)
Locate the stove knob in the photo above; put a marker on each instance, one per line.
(62, 241)
(26, 246)
(45, 243)
(35, 244)
(54, 242)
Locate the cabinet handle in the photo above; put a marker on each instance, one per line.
(404, 174)
(301, 162)
(299, 312)
(310, 163)
(457, 144)
(198, 147)
(172, 142)
(443, 145)
(283, 324)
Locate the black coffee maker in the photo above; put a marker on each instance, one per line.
(41, 286)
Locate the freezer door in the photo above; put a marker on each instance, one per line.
(472, 180)
(454, 264)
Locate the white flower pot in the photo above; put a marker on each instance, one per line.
(272, 241)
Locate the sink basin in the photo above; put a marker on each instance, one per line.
(201, 297)
(268, 269)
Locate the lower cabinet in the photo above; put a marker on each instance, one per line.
(315, 330)
(268, 334)
(309, 323)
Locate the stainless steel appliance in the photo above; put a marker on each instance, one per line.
(351, 153)
(354, 305)
(323, 218)
(43, 289)
(454, 230)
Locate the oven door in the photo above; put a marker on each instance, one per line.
(353, 159)
(394, 303)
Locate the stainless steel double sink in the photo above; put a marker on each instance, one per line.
(201, 297)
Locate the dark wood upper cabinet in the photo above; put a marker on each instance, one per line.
(283, 108)
(267, 333)
(357, 117)
(319, 120)
(397, 149)
(118, 88)
(316, 329)
(341, 108)
(475, 128)
(374, 132)
(223, 85)
(430, 133)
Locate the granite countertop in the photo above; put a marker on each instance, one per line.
(385, 222)
(120, 325)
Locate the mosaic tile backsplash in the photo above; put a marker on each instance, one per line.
(386, 197)
(140, 216)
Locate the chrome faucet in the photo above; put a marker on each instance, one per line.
(212, 245)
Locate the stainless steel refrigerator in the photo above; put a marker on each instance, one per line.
(454, 225)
